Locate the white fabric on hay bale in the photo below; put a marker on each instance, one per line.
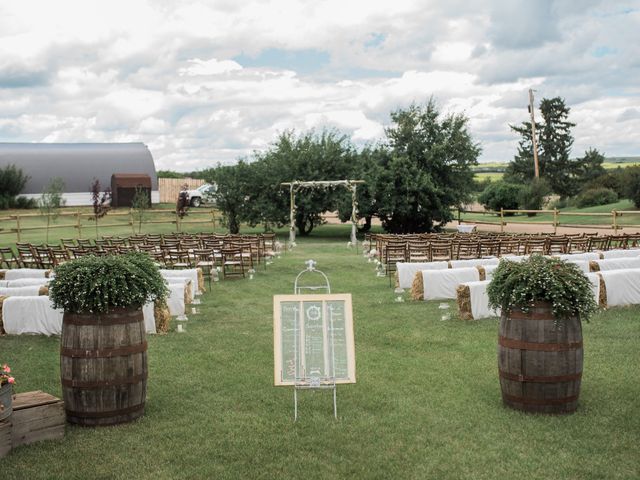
(17, 273)
(488, 271)
(31, 315)
(190, 273)
(175, 300)
(442, 284)
(583, 265)
(30, 291)
(480, 300)
(619, 253)
(595, 285)
(474, 262)
(407, 271)
(149, 317)
(25, 282)
(620, 263)
(588, 256)
(623, 286)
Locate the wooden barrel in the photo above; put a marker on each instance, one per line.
(103, 367)
(539, 361)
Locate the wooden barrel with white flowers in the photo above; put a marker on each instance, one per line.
(540, 360)
(103, 366)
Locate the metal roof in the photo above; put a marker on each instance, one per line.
(78, 164)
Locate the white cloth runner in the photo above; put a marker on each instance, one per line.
(149, 318)
(31, 291)
(466, 228)
(579, 256)
(473, 262)
(621, 263)
(488, 271)
(480, 300)
(190, 273)
(31, 315)
(595, 285)
(623, 287)
(175, 300)
(24, 282)
(621, 253)
(583, 265)
(442, 284)
(17, 273)
(407, 271)
(514, 258)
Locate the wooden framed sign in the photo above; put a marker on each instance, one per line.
(313, 340)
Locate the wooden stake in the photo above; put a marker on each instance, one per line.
(533, 136)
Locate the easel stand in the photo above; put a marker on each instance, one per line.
(303, 380)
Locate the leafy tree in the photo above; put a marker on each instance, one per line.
(12, 182)
(426, 170)
(531, 197)
(51, 201)
(589, 167)
(554, 145)
(140, 203)
(632, 185)
(231, 192)
(170, 174)
(101, 201)
(500, 195)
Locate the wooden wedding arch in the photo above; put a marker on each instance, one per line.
(296, 186)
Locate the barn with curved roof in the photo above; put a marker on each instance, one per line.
(79, 165)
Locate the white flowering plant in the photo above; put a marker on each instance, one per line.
(98, 284)
(539, 278)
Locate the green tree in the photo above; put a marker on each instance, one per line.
(589, 167)
(426, 169)
(140, 203)
(12, 181)
(632, 185)
(500, 195)
(554, 146)
(231, 192)
(51, 201)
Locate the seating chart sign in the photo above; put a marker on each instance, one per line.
(313, 340)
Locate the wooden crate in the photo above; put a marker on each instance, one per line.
(5, 437)
(36, 416)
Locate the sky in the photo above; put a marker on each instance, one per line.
(211, 82)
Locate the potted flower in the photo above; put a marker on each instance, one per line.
(543, 302)
(6, 391)
(103, 358)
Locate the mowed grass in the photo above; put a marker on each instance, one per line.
(426, 403)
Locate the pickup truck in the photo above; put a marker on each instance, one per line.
(201, 195)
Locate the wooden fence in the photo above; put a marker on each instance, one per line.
(555, 221)
(170, 187)
(119, 222)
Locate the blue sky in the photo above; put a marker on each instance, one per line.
(209, 82)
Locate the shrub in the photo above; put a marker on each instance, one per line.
(500, 195)
(532, 196)
(632, 185)
(538, 278)
(12, 181)
(596, 196)
(98, 284)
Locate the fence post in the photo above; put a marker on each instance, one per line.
(133, 229)
(555, 221)
(177, 221)
(615, 221)
(213, 220)
(459, 216)
(79, 223)
(18, 226)
(501, 220)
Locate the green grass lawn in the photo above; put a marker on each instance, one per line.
(426, 403)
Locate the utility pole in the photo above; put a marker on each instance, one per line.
(536, 169)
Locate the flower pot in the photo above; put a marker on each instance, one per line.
(540, 360)
(103, 366)
(6, 399)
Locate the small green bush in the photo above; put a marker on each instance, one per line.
(596, 196)
(538, 278)
(500, 195)
(632, 185)
(532, 196)
(98, 284)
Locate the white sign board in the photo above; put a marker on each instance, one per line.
(313, 340)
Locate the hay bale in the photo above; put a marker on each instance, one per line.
(2, 272)
(397, 276)
(417, 288)
(44, 290)
(482, 272)
(602, 298)
(2, 299)
(47, 273)
(463, 296)
(162, 316)
(593, 266)
(188, 296)
(201, 286)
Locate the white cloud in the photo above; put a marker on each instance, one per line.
(169, 73)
